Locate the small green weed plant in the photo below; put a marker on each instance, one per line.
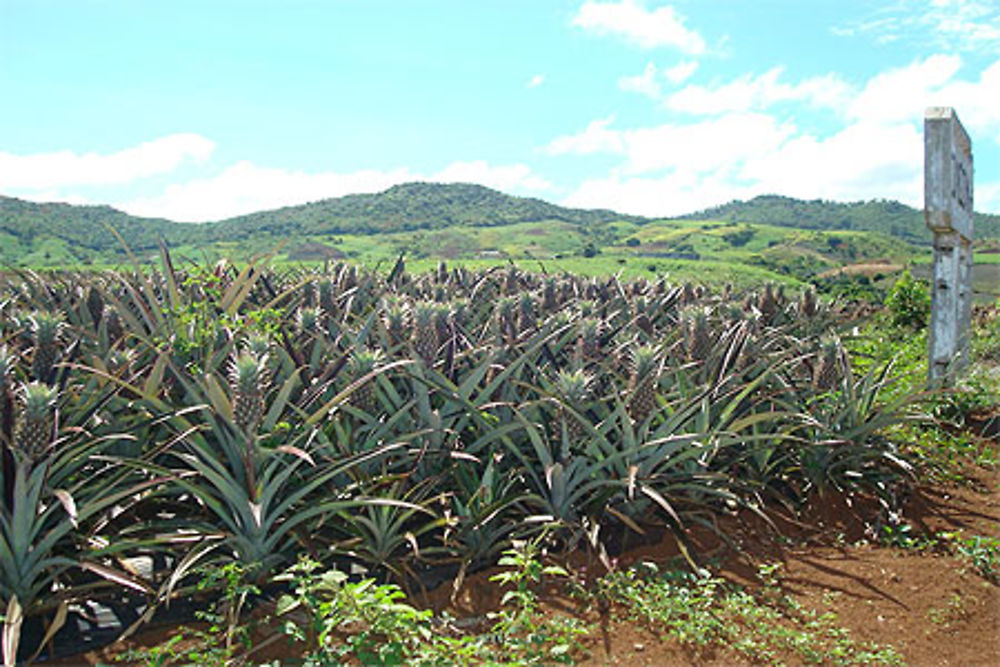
(767, 626)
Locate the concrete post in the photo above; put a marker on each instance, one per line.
(948, 209)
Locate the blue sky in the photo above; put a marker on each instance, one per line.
(200, 110)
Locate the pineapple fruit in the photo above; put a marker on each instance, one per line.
(425, 335)
(248, 382)
(45, 329)
(36, 421)
(642, 383)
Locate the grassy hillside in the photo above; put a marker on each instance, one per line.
(884, 216)
(767, 239)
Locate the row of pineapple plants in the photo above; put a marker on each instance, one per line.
(405, 424)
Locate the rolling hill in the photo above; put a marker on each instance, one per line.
(464, 221)
(880, 215)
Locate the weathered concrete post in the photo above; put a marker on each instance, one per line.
(948, 213)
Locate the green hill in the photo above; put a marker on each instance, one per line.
(472, 223)
(880, 215)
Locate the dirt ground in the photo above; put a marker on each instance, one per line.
(932, 607)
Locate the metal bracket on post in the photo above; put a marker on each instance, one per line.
(948, 186)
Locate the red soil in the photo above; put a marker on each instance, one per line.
(932, 607)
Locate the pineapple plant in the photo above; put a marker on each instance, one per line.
(45, 329)
(36, 421)
(642, 383)
(248, 382)
(425, 335)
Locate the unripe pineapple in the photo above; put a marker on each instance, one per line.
(589, 340)
(768, 303)
(827, 370)
(113, 324)
(327, 298)
(309, 295)
(35, 421)
(808, 305)
(95, 304)
(643, 381)
(696, 335)
(258, 345)
(248, 381)
(308, 320)
(511, 282)
(688, 294)
(395, 324)
(572, 388)
(526, 312)
(362, 363)
(442, 273)
(506, 320)
(45, 329)
(425, 336)
(549, 295)
(642, 320)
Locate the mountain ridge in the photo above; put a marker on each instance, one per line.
(29, 229)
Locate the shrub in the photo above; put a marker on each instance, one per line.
(909, 302)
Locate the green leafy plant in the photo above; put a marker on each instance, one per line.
(517, 628)
(909, 302)
(336, 619)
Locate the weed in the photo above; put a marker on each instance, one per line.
(701, 610)
(984, 552)
(337, 619)
(518, 628)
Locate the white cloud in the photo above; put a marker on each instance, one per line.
(733, 148)
(709, 145)
(649, 83)
(865, 160)
(596, 138)
(631, 20)
(646, 83)
(902, 93)
(43, 171)
(681, 72)
(246, 188)
(678, 168)
(751, 92)
(536, 81)
(953, 25)
(500, 177)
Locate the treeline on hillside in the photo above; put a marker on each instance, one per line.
(879, 215)
(409, 207)
(82, 231)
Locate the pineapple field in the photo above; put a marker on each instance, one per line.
(275, 463)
